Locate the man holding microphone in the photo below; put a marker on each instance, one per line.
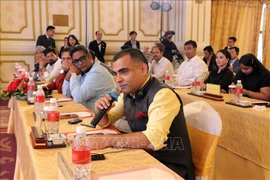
(157, 126)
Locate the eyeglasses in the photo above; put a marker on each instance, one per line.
(81, 59)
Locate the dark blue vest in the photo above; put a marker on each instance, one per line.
(177, 153)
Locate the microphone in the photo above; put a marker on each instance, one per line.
(114, 94)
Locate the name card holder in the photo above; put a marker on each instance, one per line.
(213, 92)
(38, 138)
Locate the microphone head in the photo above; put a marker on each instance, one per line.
(115, 93)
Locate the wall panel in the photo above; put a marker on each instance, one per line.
(7, 66)
(17, 20)
(22, 21)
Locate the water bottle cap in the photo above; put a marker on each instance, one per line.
(80, 130)
(239, 81)
(53, 100)
(39, 86)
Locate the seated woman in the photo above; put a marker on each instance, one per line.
(63, 47)
(255, 78)
(222, 75)
(72, 40)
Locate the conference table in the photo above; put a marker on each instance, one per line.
(45, 164)
(245, 132)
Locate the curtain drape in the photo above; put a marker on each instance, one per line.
(266, 36)
(239, 18)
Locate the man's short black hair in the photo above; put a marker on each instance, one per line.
(193, 43)
(237, 50)
(50, 28)
(50, 49)
(233, 38)
(66, 49)
(132, 32)
(76, 48)
(92, 53)
(209, 49)
(135, 55)
(160, 46)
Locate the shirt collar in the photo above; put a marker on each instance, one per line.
(83, 73)
(134, 95)
(160, 61)
(192, 59)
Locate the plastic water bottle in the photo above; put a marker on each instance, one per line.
(30, 90)
(23, 75)
(39, 99)
(81, 155)
(197, 84)
(39, 105)
(53, 116)
(238, 91)
(167, 78)
(17, 67)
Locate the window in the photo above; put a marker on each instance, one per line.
(260, 43)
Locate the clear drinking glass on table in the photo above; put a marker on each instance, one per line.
(231, 93)
(173, 80)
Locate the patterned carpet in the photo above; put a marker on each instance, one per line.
(8, 146)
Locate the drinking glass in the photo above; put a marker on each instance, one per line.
(231, 93)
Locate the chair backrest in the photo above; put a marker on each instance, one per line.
(204, 128)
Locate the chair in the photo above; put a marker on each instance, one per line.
(204, 128)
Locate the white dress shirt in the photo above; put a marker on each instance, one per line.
(190, 69)
(99, 45)
(53, 70)
(158, 69)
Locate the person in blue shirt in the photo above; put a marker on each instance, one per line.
(86, 80)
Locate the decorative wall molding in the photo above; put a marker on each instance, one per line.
(111, 9)
(24, 33)
(10, 21)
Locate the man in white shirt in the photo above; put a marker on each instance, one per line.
(53, 68)
(98, 46)
(193, 67)
(158, 65)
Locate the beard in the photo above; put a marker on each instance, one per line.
(51, 62)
